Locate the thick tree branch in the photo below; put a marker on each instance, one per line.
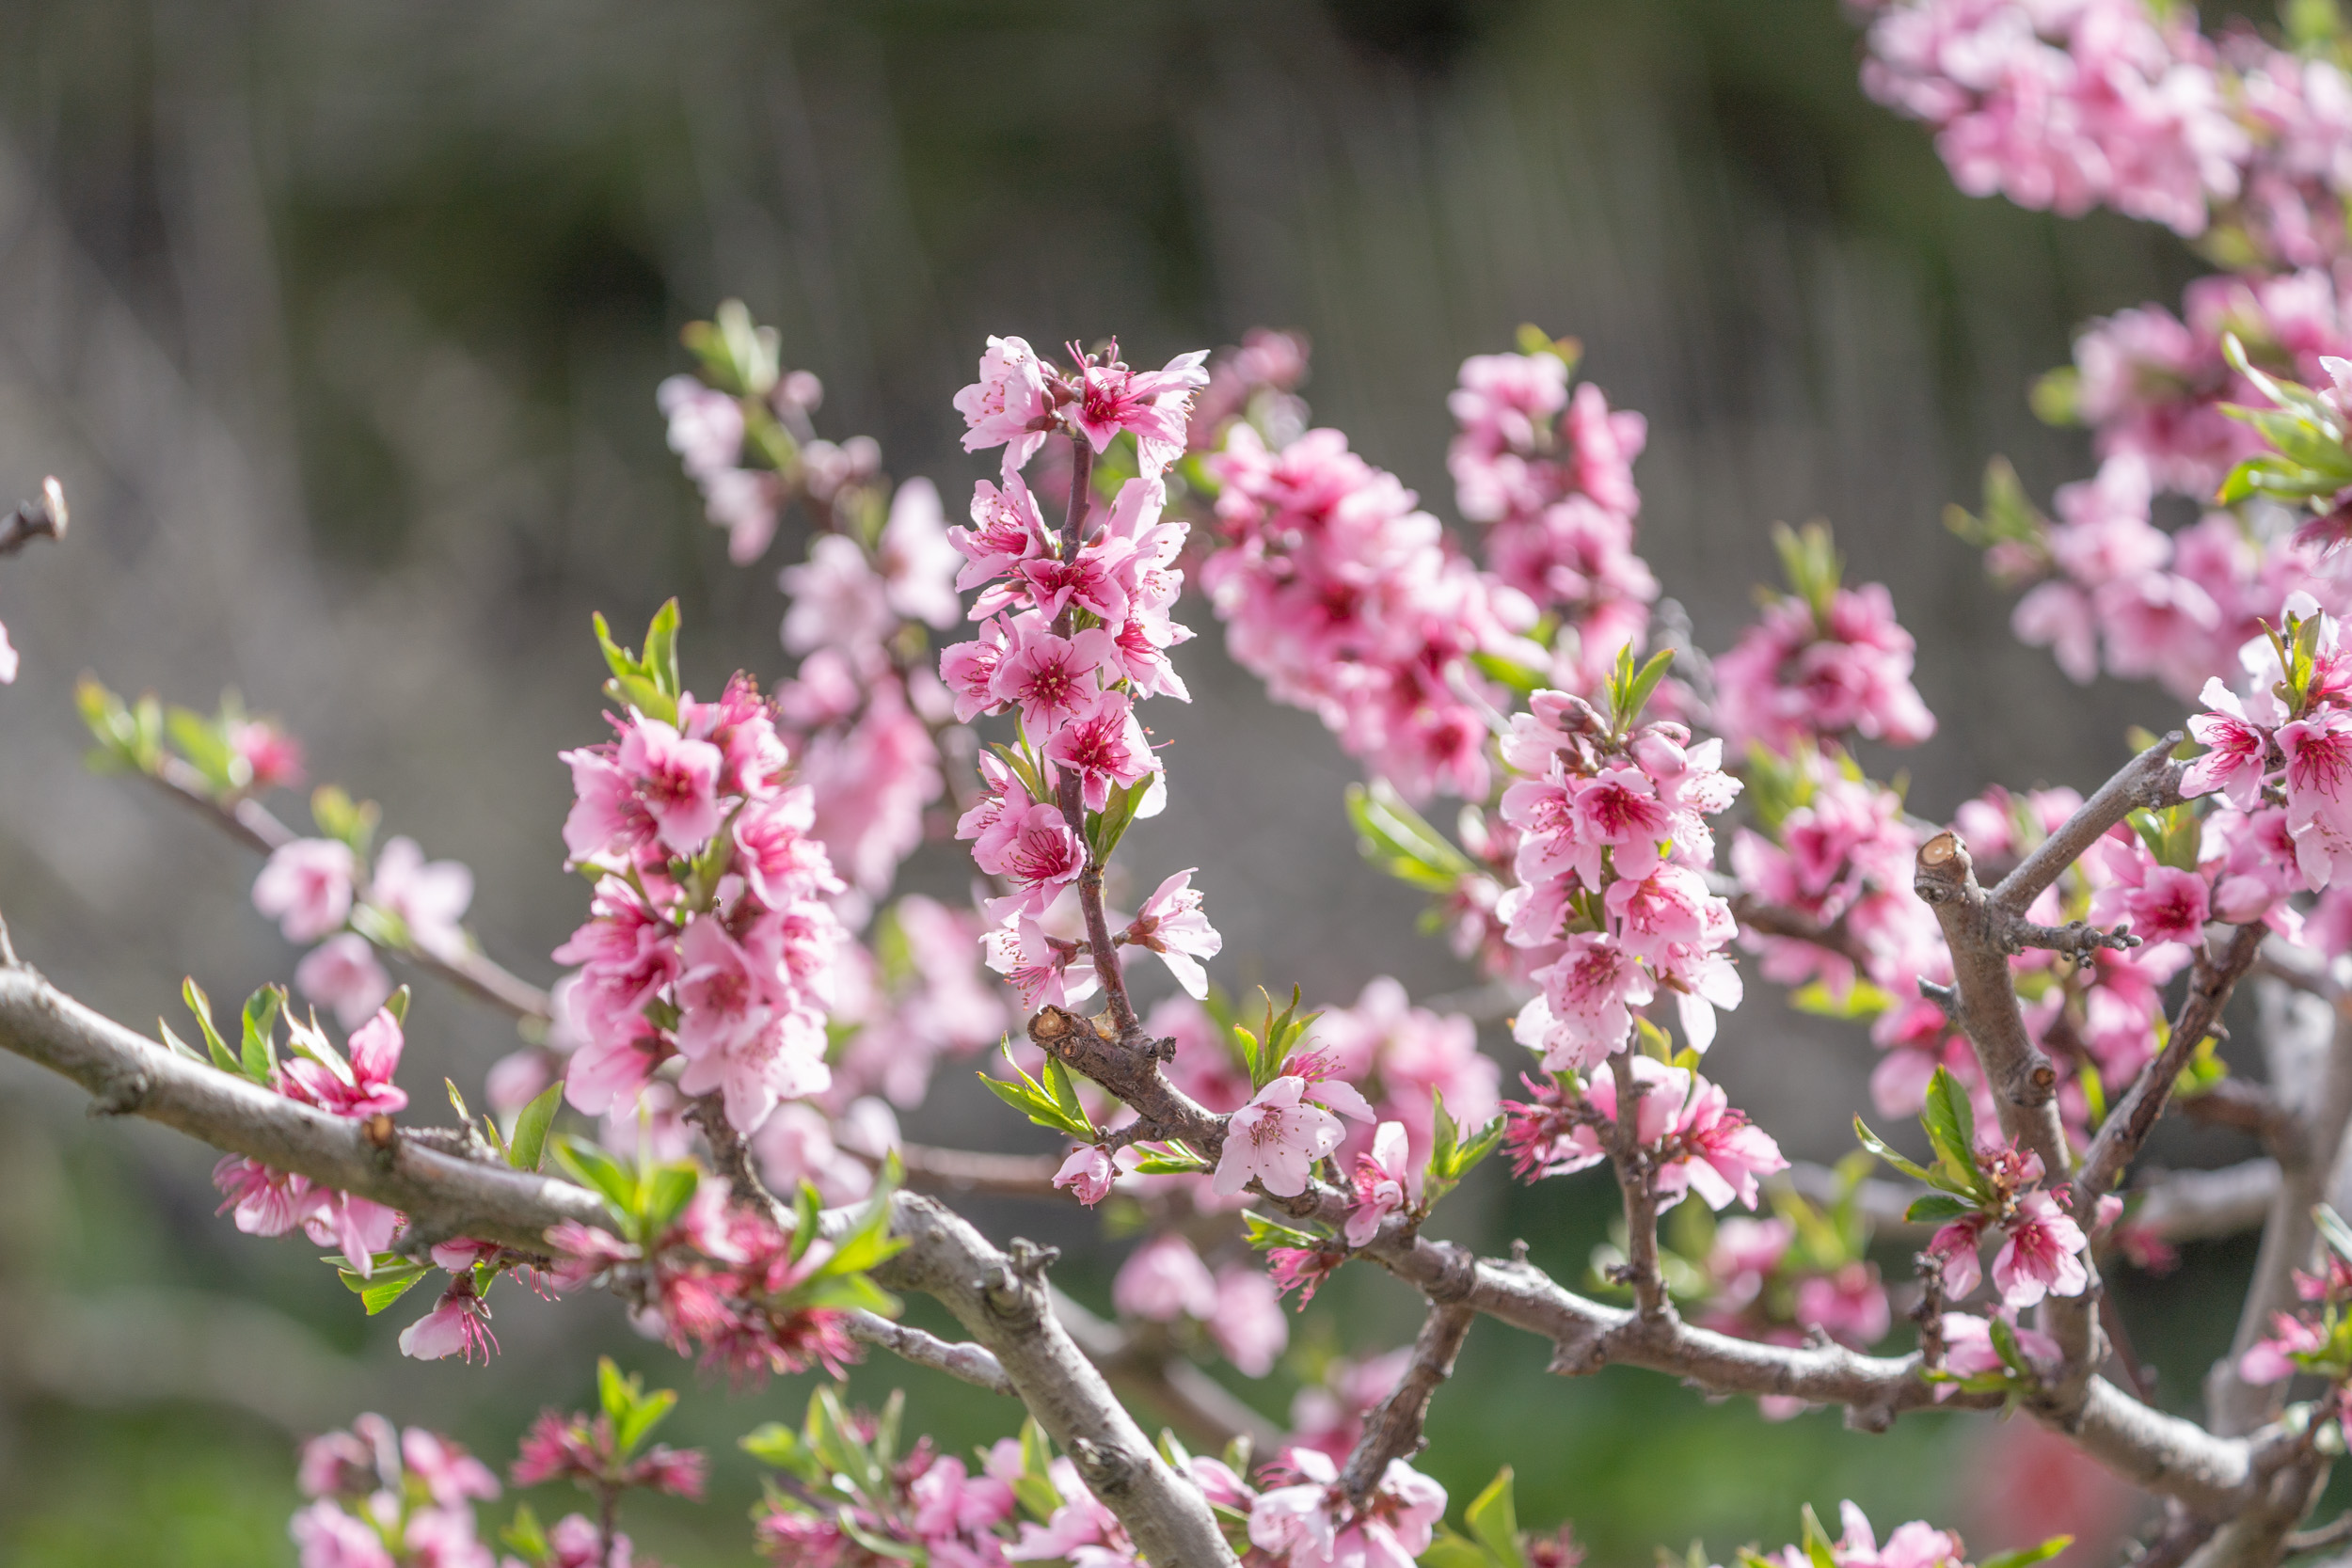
(1394, 1430)
(2310, 1048)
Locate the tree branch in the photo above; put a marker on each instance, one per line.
(969, 1362)
(2211, 979)
(252, 824)
(1394, 1430)
(40, 518)
(2150, 781)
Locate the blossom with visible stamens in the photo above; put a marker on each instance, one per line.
(1104, 746)
(1276, 1140)
(1051, 680)
(1172, 925)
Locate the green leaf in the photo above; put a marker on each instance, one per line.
(2026, 1556)
(773, 1443)
(661, 661)
(201, 1006)
(526, 1536)
(260, 1057)
(1819, 1548)
(1265, 1234)
(1105, 827)
(663, 1195)
(607, 1176)
(1064, 1096)
(397, 1004)
(1636, 692)
(1937, 1208)
(1041, 1105)
(529, 1141)
(634, 1411)
(806, 1205)
(1878, 1147)
(1952, 1127)
(390, 1277)
(1493, 1517)
(1520, 678)
(201, 741)
(2012, 1355)
(1861, 1000)
(1396, 839)
(1448, 1550)
(1036, 1487)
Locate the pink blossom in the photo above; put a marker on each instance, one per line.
(1154, 404)
(777, 853)
(1969, 1352)
(1247, 1323)
(2237, 754)
(457, 1325)
(360, 1086)
(1386, 1183)
(326, 1537)
(1803, 673)
(429, 900)
(969, 670)
(1091, 1170)
(915, 558)
(746, 502)
(706, 425)
(1163, 1280)
(1954, 1249)
(1848, 1305)
(2271, 1359)
(1586, 1010)
(2040, 1255)
(1007, 530)
(341, 972)
(1045, 970)
(1009, 406)
(306, 887)
(451, 1475)
(838, 600)
(8, 657)
(1051, 680)
(1105, 747)
(1171, 926)
(677, 779)
(1276, 1139)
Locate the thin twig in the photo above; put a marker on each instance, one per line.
(44, 517)
(971, 1363)
(2211, 980)
(2150, 781)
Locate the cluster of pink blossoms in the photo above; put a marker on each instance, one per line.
(2305, 1341)
(1304, 1518)
(1761, 1286)
(1821, 667)
(320, 891)
(709, 937)
(2291, 733)
(1164, 1281)
(1612, 905)
(1552, 476)
(388, 1498)
(2065, 105)
(1916, 1544)
(939, 1510)
(358, 1085)
(2042, 1248)
(1072, 638)
(1350, 602)
(1696, 1141)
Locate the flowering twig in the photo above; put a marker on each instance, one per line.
(1641, 1198)
(258, 829)
(1394, 1430)
(2150, 781)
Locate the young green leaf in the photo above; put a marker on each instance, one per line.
(390, 1277)
(2026, 1556)
(530, 1142)
(608, 1178)
(1493, 1518)
(201, 1006)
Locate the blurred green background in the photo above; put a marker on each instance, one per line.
(342, 320)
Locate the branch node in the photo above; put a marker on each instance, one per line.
(124, 1093)
(1106, 1470)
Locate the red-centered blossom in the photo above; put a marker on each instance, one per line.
(677, 781)
(2041, 1255)
(1799, 675)
(1311, 1522)
(430, 897)
(1969, 1350)
(1302, 1269)
(969, 670)
(581, 1449)
(1045, 970)
(306, 887)
(2237, 754)
(1586, 1008)
(1171, 926)
(1105, 747)
(1276, 1140)
(1156, 406)
(1090, 580)
(271, 756)
(1051, 680)
(1040, 854)
(1007, 530)
(459, 1324)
